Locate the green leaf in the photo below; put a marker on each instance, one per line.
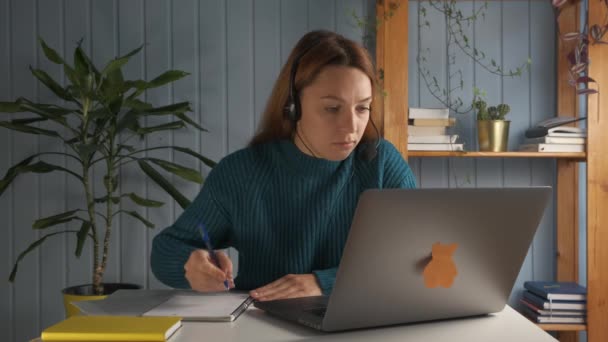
(81, 236)
(129, 120)
(167, 77)
(141, 218)
(28, 129)
(137, 105)
(83, 65)
(51, 84)
(29, 249)
(164, 127)
(170, 109)
(54, 220)
(72, 75)
(85, 152)
(51, 54)
(179, 170)
(163, 183)
(26, 121)
(125, 147)
(43, 167)
(10, 107)
(45, 112)
(119, 62)
(13, 172)
(144, 202)
(202, 158)
(190, 121)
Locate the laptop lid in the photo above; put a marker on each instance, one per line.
(425, 254)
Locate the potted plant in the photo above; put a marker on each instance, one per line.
(102, 113)
(492, 128)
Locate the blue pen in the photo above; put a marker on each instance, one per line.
(207, 242)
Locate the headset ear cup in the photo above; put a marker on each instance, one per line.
(289, 111)
(297, 110)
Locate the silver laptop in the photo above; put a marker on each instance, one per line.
(425, 254)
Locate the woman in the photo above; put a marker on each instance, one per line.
(286, 202)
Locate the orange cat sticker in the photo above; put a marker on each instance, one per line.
(441, 270)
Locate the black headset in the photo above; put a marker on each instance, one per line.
(293, 109)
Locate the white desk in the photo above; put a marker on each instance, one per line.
(255, 325)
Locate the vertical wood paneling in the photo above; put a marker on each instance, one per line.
(239, 73)
(25, 188)
(294, 23)
(53, 251)
(185, 57)
(266, 53)
(130, 36)
(433, 171)
(344, 21)
(157, 36)
(322, 14)
(7, 250)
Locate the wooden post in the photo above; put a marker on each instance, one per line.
(597, 184)
(391, 61)
(567, 170)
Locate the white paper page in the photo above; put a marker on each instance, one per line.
(199, 306)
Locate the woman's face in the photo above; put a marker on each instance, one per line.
(335, 112)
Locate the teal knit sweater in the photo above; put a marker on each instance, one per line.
(284, 211)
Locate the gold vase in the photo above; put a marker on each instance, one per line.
(493, 135)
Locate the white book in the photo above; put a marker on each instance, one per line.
(432, 139)
(552, 147)
(567, 131)
(428, 113)
(555, 140)
(434, 147)
(425, 130)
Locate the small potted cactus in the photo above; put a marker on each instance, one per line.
(492, 128)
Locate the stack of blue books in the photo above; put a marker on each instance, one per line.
(555, 302)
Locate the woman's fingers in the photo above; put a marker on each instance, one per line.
(289, 286)
(202, 274)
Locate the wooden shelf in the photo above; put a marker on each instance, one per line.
(580, 156)
(563, 327)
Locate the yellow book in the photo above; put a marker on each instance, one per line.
(112, 328)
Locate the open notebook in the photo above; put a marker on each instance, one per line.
(189, 305)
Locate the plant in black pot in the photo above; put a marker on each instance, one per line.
(102, 115)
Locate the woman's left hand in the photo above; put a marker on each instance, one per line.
(289, 286)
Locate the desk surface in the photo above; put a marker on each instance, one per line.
(255, 325)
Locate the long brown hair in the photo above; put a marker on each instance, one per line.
(316, 50)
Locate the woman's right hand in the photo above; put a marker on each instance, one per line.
(204, 276)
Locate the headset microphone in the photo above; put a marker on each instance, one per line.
(371, 149)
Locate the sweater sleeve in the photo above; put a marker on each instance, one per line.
(396, 172)
(326, 279)
(172, 247)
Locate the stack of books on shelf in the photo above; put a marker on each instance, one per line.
(550, 136)
(550, 302)
(427, 130)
